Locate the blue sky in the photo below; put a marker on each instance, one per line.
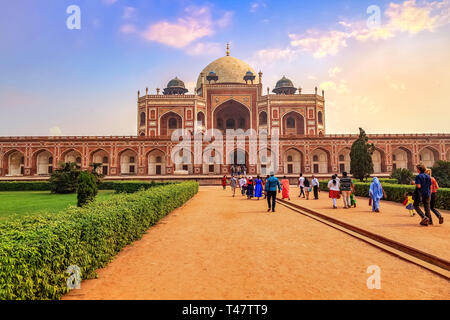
(83, 82)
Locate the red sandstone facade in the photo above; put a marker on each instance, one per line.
(226, 98)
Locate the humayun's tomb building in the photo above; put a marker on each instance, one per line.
(229, 95)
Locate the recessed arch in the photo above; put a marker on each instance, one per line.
(14, 163)
(402, 159)
(293, 123)
(320, 160)
(156, 161)
(379, 160)
(43, 162)
(128, 162)
(428, 156)
(232, 114)
(169, 122)
(101, 156)
(293, 160)
(262, 118)
(72, 156)
(344, 160)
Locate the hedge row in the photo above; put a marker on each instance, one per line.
(118, 186)
(396, 192)
(36, 251)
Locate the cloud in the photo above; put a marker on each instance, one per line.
(255, 6)
(267, 56)
(205, 49)
(407, 17)
(55, 131)
(128, 12)
(128, 28)
(196, 24)
(333, 72)
(312, 78)
(109, 2)
(341, 87)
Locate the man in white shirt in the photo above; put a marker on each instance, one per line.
(315, 186)
(301, 184)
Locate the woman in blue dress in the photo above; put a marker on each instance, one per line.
(258, 188)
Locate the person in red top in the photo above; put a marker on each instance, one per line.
(434, 188)
(224, 182)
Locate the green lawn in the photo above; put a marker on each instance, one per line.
(29, 202)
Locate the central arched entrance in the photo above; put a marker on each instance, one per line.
(231, 115)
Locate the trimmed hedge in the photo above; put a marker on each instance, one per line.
(25, 186)
(36, 251)
(396, 192)
(130, 186)
(118, 186)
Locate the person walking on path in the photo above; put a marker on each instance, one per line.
(333, 187)
(233, 185)
(224, 182)
(272, 184)
(250, 188)
(376, 193)
(258, 187)
(307, 188)
(346, 186)
(422, 193)
(242, 183)
(301, 184)
(315, 187)
(285, 188)
(434, 188)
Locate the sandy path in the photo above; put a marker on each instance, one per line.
(394, 222)
(219, 247)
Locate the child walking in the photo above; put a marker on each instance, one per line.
(409, 203)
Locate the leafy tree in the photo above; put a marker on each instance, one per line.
(65, 179)
(87, 188)
(403, 176)
(441, 172)
(361, 164)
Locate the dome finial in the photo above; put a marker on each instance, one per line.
(228, 49)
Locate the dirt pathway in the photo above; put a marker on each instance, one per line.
(219, 247)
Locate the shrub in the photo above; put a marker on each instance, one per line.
(65, 178)
(403, 176)
(132, 186)
(25, 186)
(36, 251)
(87, 188)
(441, 171)
(118, 186)
(396, 192)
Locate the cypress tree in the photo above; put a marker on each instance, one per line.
(361, 164)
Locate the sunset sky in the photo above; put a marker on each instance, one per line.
(388, 79)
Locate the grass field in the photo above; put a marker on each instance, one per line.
(14, 203)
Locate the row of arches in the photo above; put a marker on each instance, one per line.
(293, 160)
(233, 115)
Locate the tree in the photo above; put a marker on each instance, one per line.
(87, 188)
(441, 172)
(65, 179)
(403, 176)
(361, 164)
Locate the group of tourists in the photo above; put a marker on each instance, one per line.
(425, 193)
(267, 187)
(238, 170)
(259, 188)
